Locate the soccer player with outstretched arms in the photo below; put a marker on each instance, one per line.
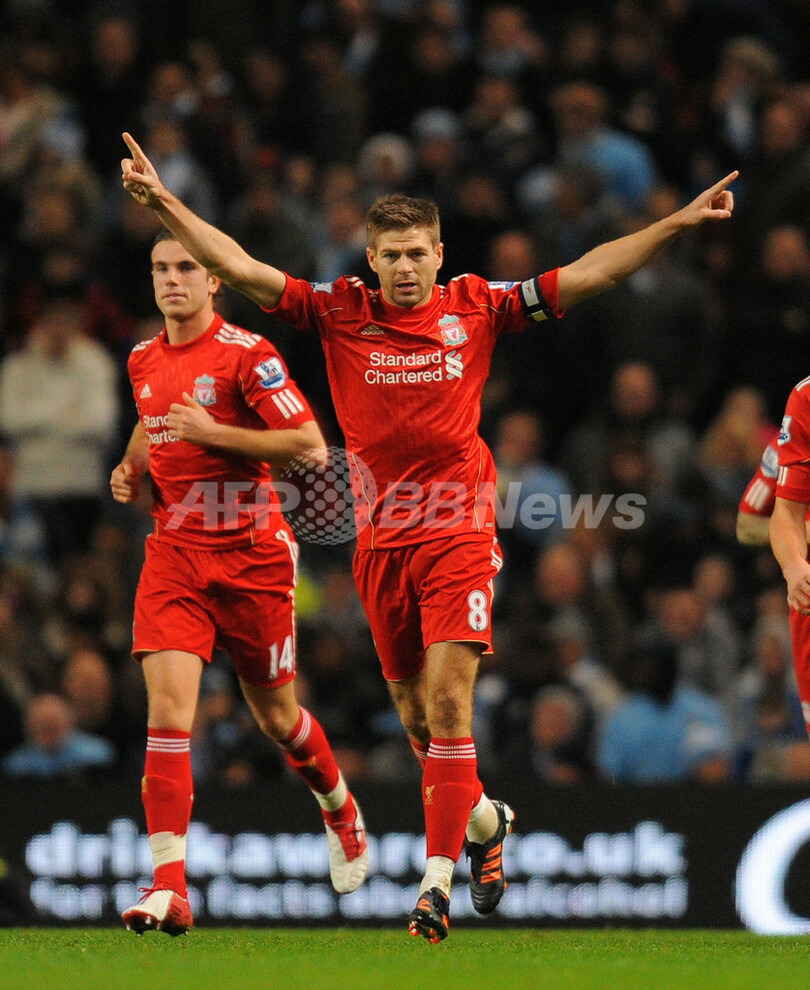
(407, 363)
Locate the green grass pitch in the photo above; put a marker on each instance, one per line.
(384, 959)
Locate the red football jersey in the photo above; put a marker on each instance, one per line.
(202, 497)
(760, 495)
(793, 443)
(406, 385)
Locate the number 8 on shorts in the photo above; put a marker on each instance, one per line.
(477, 617)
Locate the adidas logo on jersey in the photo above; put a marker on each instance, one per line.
(372, 331)
(146, 392)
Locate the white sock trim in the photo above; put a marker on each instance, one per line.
(167, 744)
(438, 873)
(483, 821)
(167, 848)
(335, 799)
(306, 724)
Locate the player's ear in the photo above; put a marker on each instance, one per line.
(371, 255)
(214, 284)
(440, 254)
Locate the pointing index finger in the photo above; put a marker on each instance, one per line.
(134, 147)
(724, 183)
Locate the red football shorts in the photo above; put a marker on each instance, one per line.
(800, 643)
(240, 600)
(436, 592)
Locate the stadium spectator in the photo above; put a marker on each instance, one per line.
(771, 314)
(579, 667)
(584, 137)
(559, 731)
(635, 410)
(529, 487)
(59, 409)
(769, 715)
(109, 82)
(731, 445)
(91, 688)
(707, 645)
(53, 746)
(23, 541)
(665, 730)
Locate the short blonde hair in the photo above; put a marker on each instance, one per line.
(399, 212)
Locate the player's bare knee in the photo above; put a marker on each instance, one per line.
(168, 712)
(411, 710)
(448, 715)
(274, 723)
(276, 717)
(416, 725)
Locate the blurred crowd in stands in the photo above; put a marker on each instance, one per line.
(635, 639)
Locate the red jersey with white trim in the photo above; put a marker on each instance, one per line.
(760, 496)
(793, 444)
(406, 385)
(202, 497)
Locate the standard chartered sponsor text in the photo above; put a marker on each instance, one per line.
(429, 363)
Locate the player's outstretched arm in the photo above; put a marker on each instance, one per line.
(213, 249)
(609, 264)
(789, 545)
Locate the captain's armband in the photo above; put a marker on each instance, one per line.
(534, 302)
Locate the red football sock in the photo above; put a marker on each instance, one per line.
(449, 786)
(420, 749)
(308, 752)
(168, 792)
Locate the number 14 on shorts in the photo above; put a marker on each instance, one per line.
(283, 662)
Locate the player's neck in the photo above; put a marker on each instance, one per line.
(423, 303)
(184, 331)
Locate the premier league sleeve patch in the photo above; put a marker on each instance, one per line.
(784, 431)
(770, 462)
(271, 373)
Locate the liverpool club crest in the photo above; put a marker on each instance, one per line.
(453, 333)
(204, 391)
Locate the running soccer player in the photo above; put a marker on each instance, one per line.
(789, 529)
(216, 407)
(407, 365)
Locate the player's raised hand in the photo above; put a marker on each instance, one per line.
(139, 175)
(716, 203)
